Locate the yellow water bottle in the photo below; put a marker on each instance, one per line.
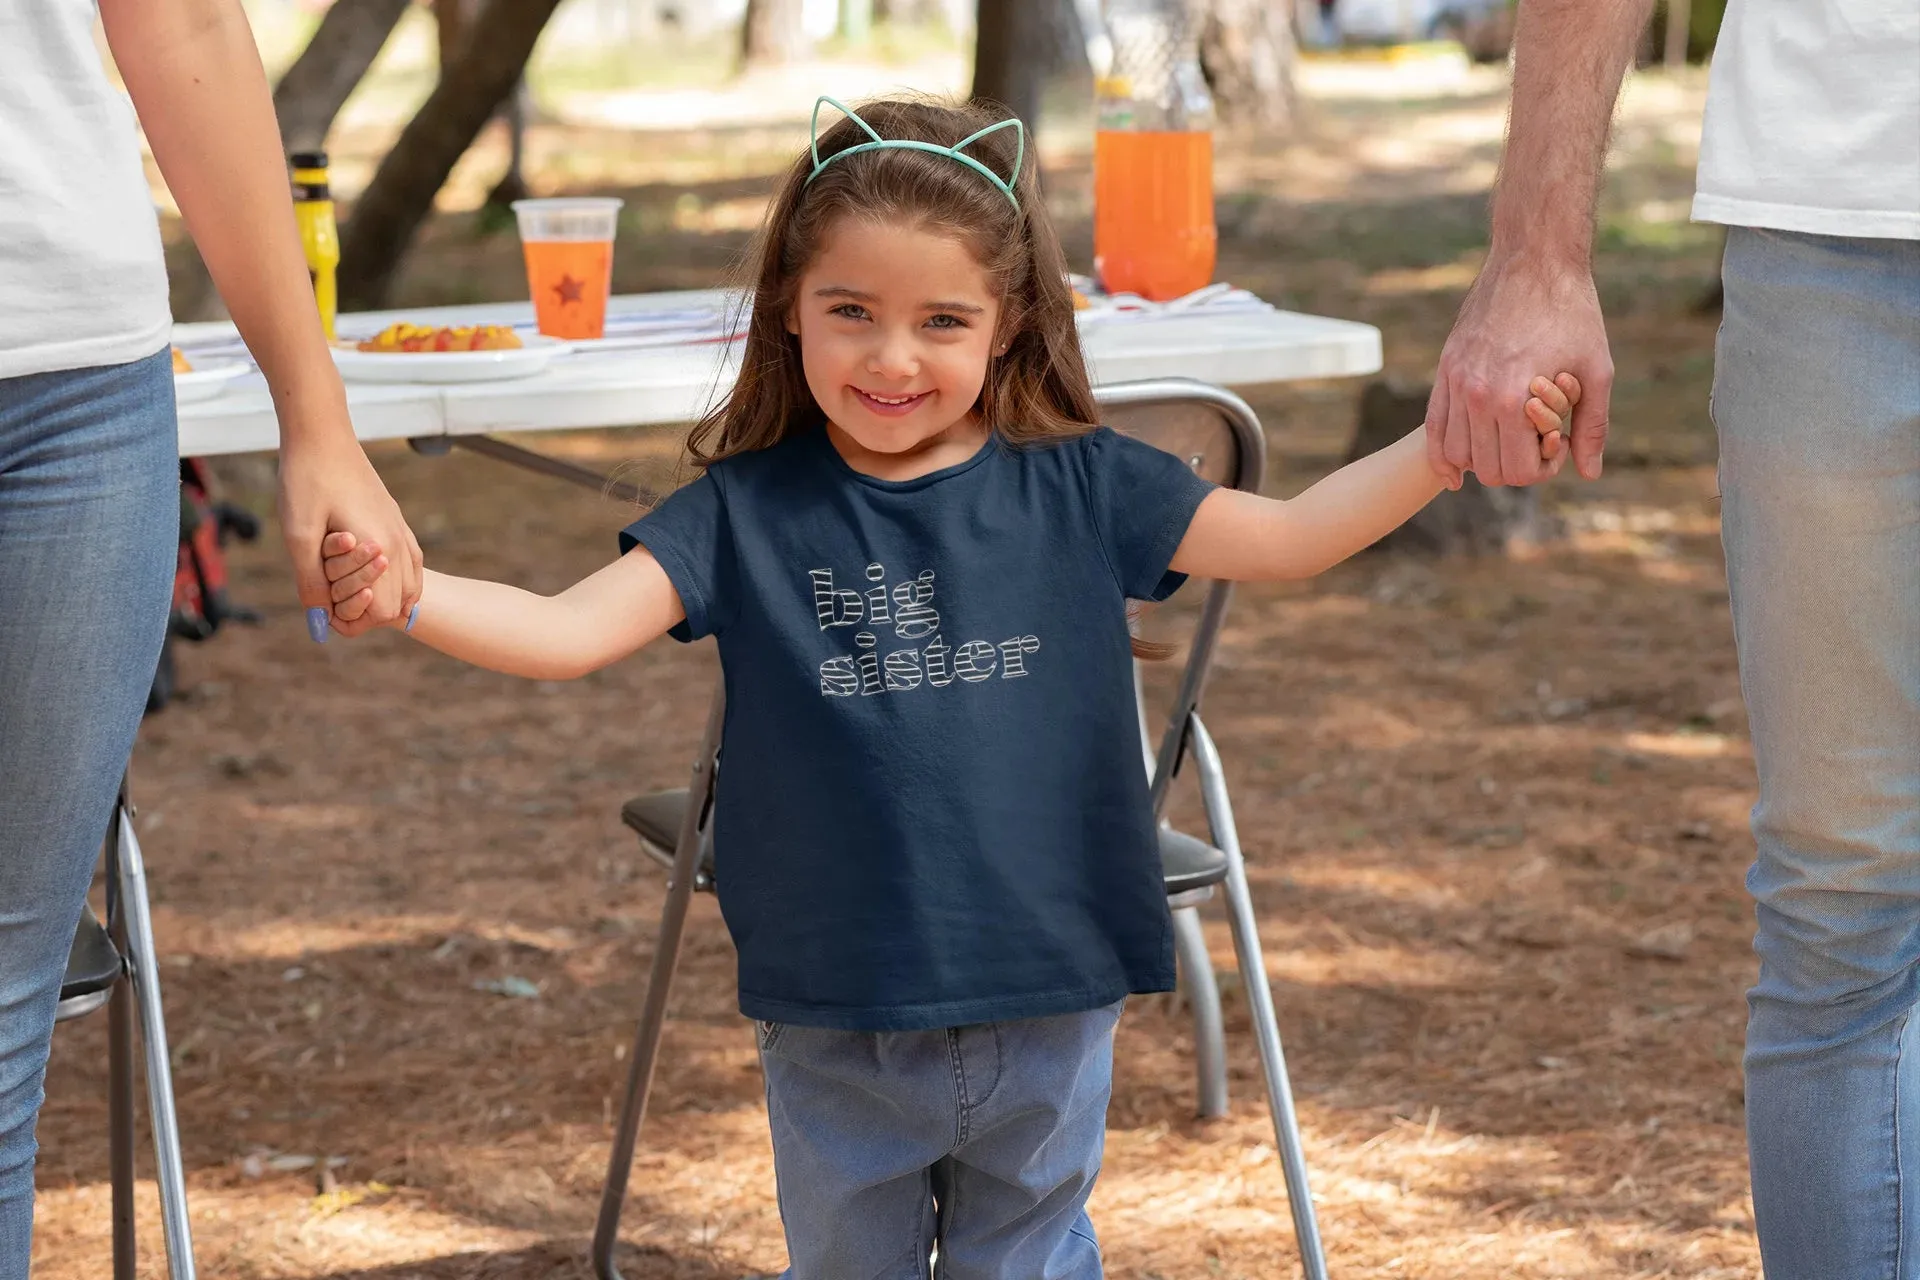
(319, 237)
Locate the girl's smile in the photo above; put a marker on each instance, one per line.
(891, 406)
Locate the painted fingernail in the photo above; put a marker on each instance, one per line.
(317, 625)
(413, 615)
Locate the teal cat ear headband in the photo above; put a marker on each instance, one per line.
(954, 152)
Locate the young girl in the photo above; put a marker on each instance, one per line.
(915, 546)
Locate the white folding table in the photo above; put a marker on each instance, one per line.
(624, 386)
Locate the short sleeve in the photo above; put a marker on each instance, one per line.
(1143, 499)
(689, 535)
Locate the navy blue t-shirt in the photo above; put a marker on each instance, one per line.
(931, 807)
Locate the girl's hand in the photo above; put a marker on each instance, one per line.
(328, 484)
(1550, 410)
(352, 567)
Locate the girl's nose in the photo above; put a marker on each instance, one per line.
(893, 356)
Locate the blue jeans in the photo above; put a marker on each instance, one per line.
(980, 1141)
(1817, 399)
(89, 526)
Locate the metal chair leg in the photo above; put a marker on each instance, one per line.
(144, 977)
(120, 1126)
(653, 1012)
(1203, 993)
(1253, 973)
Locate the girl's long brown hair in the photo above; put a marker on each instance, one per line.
(1038, 391)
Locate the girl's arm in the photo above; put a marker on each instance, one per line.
(598, 620)
(1244, 537)
(195, 78)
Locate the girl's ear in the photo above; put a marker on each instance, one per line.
(793, 322)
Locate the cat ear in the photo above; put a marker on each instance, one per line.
(813, 144)
(1020, 154)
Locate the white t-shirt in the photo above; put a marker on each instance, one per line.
(1813, 119)
(82, 279)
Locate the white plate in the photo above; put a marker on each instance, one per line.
(207, 380)
(448, 366)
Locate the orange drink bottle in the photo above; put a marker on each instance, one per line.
(568, 245)
(1153, 228)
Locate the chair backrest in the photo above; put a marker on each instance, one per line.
(1217, 434)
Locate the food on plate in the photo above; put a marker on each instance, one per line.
(1081, 301)
(180, 362)
(423, 337)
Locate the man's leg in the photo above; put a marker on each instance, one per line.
(1817, 398)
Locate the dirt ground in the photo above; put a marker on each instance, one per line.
(1495, 814)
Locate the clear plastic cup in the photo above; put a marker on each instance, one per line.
(569, 250)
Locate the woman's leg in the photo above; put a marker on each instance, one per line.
(1817, 398)
(1013, 1194)
(89, 524)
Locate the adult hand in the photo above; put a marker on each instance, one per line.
(327, 485)
(1523, 318)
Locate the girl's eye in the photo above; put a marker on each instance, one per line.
(850, 311)
(945, 321)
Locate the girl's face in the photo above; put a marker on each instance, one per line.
(896, 327)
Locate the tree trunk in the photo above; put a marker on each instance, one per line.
(1679, 19)
(454, 19)
(484, 71)
(1018, 46)
(856, 21)
(1473, 520)
(513, 183)
(773, 32)
(305, 101)
(318, 83)
(1247, 53)
(451, 18)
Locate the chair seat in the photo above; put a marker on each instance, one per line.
(93, 966)
(656, 817)
(1187, 864)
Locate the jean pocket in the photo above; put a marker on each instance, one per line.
(768, 1033)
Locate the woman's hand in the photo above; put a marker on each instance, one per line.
(326, 488)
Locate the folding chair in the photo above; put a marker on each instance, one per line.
(1220, 438)
(114, 964)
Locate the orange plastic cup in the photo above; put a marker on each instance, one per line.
(1153, 231)
(569, 249)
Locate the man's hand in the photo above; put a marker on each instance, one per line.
(1534, 308)
(1520, 317)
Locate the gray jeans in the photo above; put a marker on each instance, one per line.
(979, 1143)
(1817, 398)
(89, 526)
